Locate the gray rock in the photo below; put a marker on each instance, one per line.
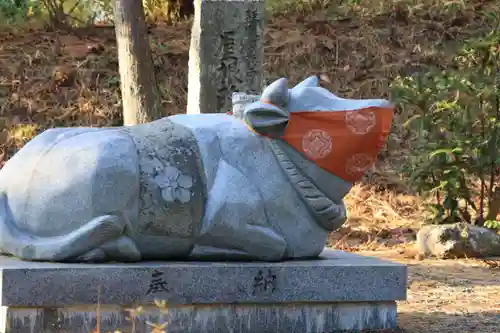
(185, 186)
(226, 53)
(457, 241)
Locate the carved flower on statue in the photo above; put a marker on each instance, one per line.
(174, 185)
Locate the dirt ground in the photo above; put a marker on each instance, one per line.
(447, 296)
(52, 79)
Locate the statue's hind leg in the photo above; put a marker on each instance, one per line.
(121, 249)
(89, 237)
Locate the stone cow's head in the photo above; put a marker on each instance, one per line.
(342, 136)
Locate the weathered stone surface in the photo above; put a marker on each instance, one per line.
(457, 240)
(338, 291)
(266, 185)
(226, 53)
(241, 318)
(336, 277)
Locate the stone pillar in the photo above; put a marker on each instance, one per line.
(226, 53)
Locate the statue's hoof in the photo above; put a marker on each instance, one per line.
(121, 249)
(95, 255)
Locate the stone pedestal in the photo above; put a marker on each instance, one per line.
(339, 291)
(226, 53)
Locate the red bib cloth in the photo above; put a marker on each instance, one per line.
(345, 143)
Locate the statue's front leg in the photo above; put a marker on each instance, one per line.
(235, 225)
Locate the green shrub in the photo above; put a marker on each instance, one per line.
(456, 121)
(13, 11)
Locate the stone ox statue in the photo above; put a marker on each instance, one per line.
(265, 185)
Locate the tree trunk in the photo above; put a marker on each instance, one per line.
(140, 94)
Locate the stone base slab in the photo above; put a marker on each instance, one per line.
(338, 291)
(246, 318)
(335, 277)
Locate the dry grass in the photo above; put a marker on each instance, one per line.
(378, 219)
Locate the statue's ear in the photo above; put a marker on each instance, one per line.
(311, 81)
(276, 93)
(266, 119)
